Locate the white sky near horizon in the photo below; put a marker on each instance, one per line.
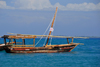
(74, 17)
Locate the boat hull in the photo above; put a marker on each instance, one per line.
(2, 47)
(48, 49)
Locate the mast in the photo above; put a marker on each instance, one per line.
(51, 26)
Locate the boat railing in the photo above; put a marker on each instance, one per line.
(22, 46)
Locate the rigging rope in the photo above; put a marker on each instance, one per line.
(52, 32)
(51, 40)
(47, 35)
(45, 32)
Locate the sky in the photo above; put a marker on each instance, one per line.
(74, 17)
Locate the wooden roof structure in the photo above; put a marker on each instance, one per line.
(19, 36)
(23, 36)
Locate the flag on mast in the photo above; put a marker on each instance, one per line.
(51, 29)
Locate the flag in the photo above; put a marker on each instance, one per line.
(51, 29)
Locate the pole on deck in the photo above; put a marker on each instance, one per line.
(9, 41)
(23, 41)
(33, 42)
(51, 26)
(72, 40)
(5, 41)
(67, 41)
(15, 41)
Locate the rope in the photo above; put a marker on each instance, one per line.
(45, 41)
(44, 32)
(52, 32)
(47, 36)
(51, 39)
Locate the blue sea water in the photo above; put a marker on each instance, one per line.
(87, 55)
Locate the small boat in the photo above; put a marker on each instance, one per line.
(2, 47)
(12, 47)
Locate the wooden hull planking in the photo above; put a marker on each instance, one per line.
(48, 49)
(1, 48)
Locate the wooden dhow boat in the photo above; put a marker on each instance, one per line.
(12, 47)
